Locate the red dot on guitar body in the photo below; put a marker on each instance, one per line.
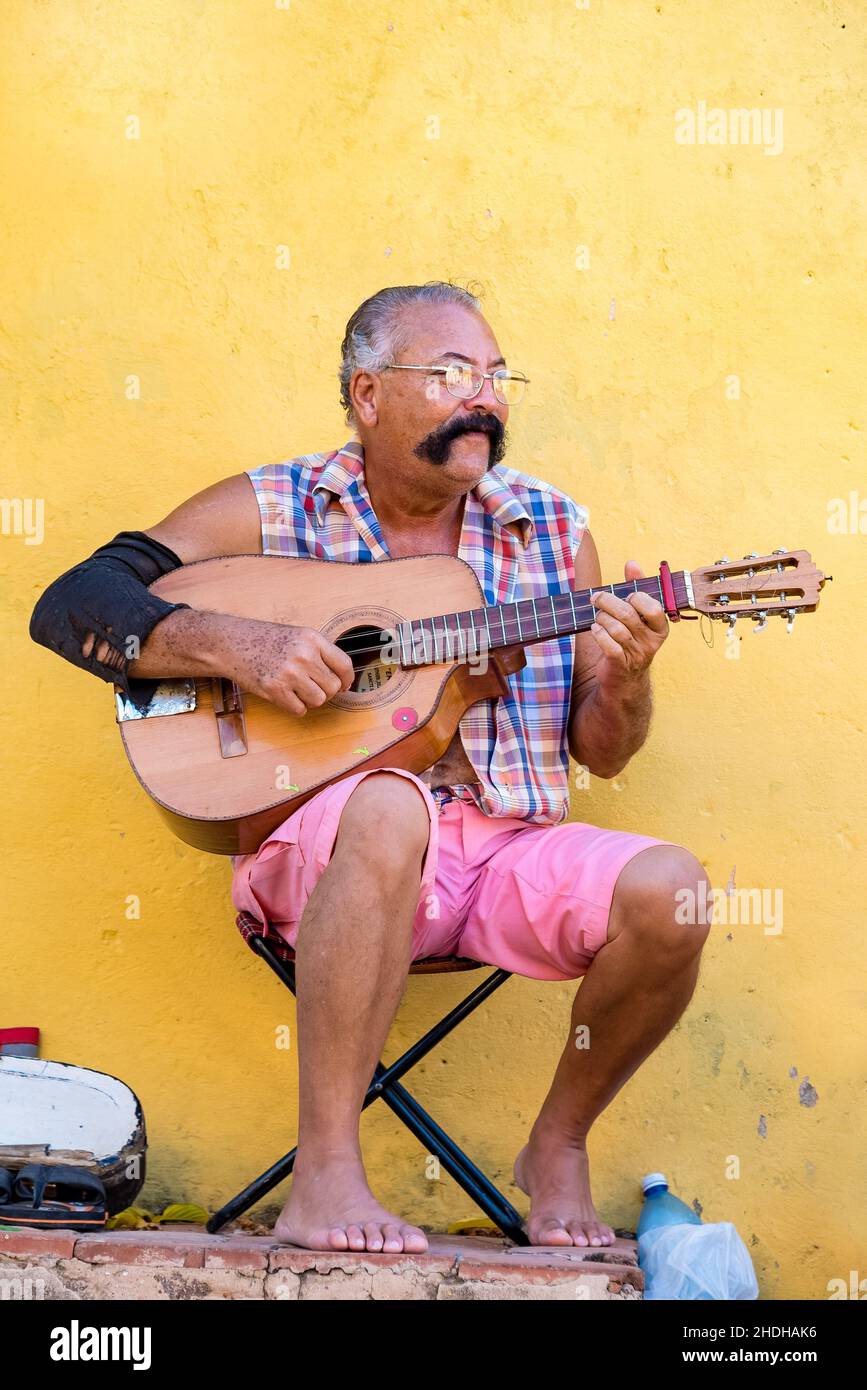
(405, 718)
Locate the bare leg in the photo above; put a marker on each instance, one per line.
(635, 990)
(352, 960)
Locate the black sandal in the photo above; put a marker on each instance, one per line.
(75, 1199)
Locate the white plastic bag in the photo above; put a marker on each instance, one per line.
(696, 1262)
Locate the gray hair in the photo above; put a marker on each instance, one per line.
(378, 330)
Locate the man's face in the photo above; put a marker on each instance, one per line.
(416, 414)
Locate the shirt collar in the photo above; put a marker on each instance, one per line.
(344, 471)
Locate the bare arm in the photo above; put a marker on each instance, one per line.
(611, 691)
(294, 667)
(223, 519)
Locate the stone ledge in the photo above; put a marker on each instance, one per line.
(187, 1263)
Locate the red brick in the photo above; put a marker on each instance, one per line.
(536, 1272)
(300, 1261)
(238, 1252)
(29, 1240)
(143, 1248)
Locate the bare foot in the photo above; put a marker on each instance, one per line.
(331, 1207)
(556, 1177)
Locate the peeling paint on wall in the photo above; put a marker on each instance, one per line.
(807, 1094)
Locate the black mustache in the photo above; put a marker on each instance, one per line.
(479, 427)
(436, 446)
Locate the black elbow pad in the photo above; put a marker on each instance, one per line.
(107, 595)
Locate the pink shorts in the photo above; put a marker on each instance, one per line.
(534, 900)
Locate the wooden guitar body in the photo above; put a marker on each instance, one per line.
(226, 767)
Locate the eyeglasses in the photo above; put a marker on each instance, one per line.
(465, 381)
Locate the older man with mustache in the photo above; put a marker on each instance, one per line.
(348, 878)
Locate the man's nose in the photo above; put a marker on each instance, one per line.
(486, 402)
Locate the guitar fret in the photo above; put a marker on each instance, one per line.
(472, 627)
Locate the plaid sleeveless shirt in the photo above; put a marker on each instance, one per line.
(521, 536)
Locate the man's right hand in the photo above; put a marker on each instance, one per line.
(296, 668)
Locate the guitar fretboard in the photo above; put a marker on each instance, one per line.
(464, 636)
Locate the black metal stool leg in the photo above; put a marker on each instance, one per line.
(474, 1182)
(385, 1085)
(258, 1188)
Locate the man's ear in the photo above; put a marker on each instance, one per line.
(362, 391)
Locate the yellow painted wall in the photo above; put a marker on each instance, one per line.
(309, 127)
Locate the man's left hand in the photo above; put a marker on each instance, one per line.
(629, 632)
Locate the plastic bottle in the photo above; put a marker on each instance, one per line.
(682, 1258)
(661, 1207)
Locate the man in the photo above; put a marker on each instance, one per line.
(350, 878)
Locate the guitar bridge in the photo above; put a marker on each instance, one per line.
(229, 713)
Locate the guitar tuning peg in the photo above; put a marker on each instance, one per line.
(790, 613)
(778, 552)
(723, 561)
(760, 627)
(753, 555)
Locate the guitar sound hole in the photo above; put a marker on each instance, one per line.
(369, 650)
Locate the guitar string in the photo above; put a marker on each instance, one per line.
(437, 640)
(584, 609)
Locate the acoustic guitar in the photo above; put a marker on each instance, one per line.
(225, 767)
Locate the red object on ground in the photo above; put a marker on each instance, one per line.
(19, 1035)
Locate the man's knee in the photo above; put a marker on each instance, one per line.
(663, 894)
(386, 818)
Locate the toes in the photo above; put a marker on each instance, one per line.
(393, 1238)
(551, 1232)
(578, 1233)
(337, 1239)
(591, 1233)
(373, 1235)
(414, 1240)
(355, 1236)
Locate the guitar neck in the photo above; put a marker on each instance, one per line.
(457, 636)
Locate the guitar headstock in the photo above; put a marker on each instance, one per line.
(757, 586)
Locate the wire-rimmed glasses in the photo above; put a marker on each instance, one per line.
(465, 381)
